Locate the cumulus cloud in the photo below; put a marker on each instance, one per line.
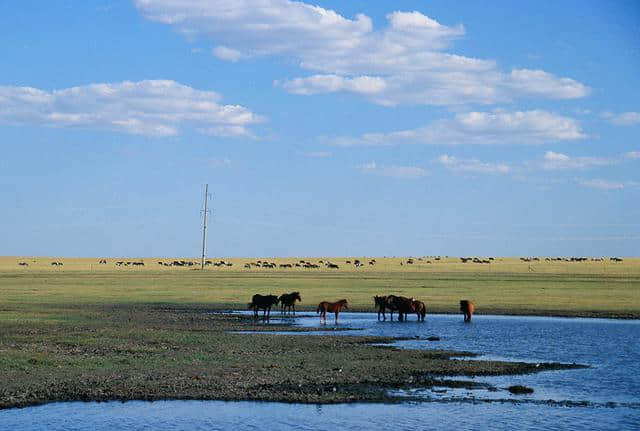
(334, 83)
(405, 62)
(406, 172)
(497, 127)
(153, 108)
(622, 119)
(632, 155)
(472, 165)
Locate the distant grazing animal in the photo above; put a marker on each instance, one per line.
(288, 301)
(264, 302)
(332, 307)
(467, 308)
(23, 264)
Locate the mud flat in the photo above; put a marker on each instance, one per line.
(148, 352)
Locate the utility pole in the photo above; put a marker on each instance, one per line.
(204, 225)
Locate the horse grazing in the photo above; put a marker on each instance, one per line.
(264, 302)
(288, 301)
(333, 307)
(467, 307)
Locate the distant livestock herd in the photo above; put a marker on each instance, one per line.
(328, 264)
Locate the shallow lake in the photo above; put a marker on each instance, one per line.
(604, 396)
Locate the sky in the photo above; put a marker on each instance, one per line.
(331, 128)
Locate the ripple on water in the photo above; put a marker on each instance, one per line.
(212, 415)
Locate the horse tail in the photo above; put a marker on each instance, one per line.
(250, 305)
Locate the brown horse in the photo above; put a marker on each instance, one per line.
(467, 307)
(333, 307)
(264, 302)
(288, 301)
(420, 309)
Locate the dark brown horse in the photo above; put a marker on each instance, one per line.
(288, 301)
(404, 306)
(333, 307)
(379, 302)
(467, 307)
(388, 302)
(264, 302)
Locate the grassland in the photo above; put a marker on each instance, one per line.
(505, 286)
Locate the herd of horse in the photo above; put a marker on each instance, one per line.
(392, 303)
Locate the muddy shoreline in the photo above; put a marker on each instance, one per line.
(125, 352)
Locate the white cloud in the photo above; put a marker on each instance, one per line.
(219, 162)
(152, 108)
(632, 155)
(403, 63)
(228, 54)
(600, 184)
(498, 127)
(334, 83)
(472, 165)
(558, 161)
(406, 172)
(622, 119)
(317, 154)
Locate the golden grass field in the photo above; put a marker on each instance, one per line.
(504, 286)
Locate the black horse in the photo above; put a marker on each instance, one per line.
(264, 302)
(288, 301)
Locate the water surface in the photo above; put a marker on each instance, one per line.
(604, 396)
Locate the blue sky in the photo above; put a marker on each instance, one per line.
(325, 128)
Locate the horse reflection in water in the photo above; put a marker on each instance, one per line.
(332, 307)
(263, 302)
